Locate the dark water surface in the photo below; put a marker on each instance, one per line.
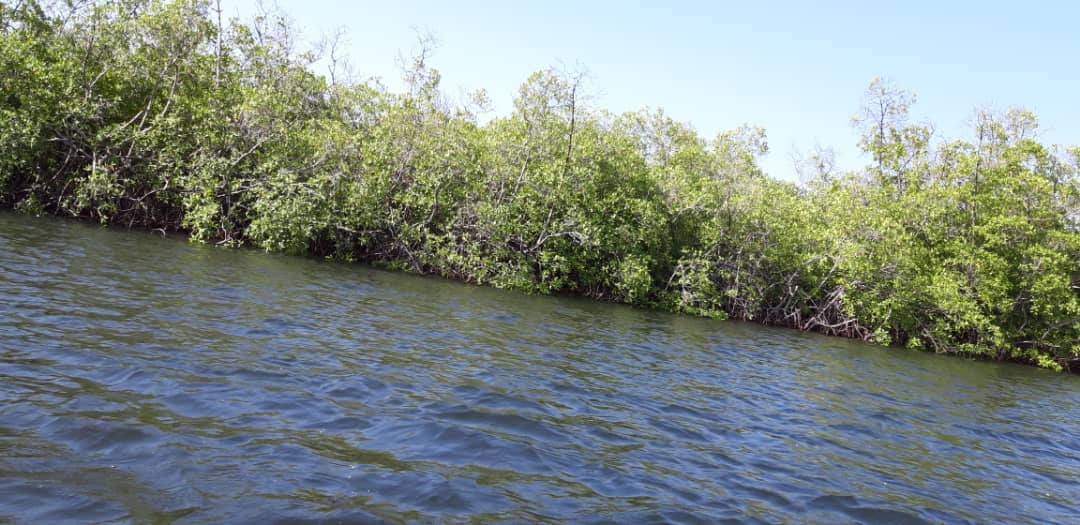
(151, 381)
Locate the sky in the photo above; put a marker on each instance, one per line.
(796, 68)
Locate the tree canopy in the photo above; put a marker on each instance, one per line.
(158, 114)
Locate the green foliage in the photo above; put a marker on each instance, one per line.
(154, 114)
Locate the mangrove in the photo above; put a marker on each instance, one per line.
(159, 114)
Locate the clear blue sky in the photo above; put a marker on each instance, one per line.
(796, 68)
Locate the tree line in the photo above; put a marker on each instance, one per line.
(159, 114)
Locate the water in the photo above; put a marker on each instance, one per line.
(149, 380)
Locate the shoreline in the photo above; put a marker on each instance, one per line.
(185, 236)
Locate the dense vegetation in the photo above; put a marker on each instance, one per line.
(159, 115)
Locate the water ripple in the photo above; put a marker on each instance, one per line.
(154, 381)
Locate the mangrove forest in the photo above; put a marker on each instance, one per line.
(163, 115)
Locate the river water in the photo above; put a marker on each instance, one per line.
(150, 380)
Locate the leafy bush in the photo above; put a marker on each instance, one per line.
(146, 113)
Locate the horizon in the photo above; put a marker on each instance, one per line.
(802, 78)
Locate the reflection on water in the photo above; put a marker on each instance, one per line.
(154, 381)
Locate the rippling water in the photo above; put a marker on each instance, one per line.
(149, 380)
